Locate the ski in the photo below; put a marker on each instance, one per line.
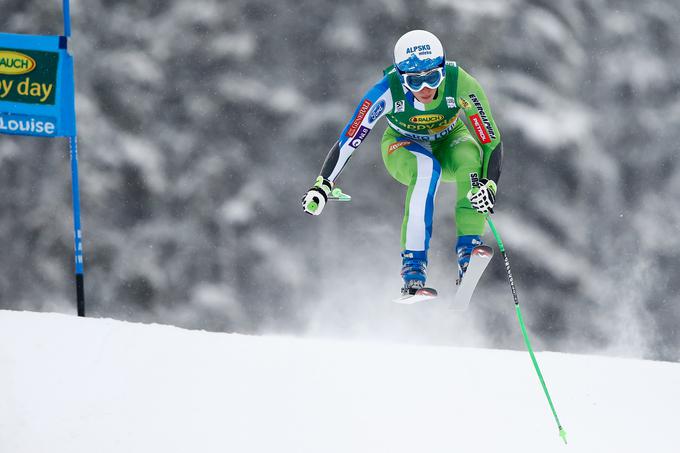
(479, 259)
(421, 295)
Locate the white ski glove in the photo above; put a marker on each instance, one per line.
(315, 199)
(483, 197)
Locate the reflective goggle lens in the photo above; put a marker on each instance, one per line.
(432, 79)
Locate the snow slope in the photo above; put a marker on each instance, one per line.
(99, 385)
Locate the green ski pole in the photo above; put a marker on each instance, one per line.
(563, 433)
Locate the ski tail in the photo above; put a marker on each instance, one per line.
(421, 295)
(479, 260)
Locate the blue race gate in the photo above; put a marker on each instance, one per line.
(37, 98)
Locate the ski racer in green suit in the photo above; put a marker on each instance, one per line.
(423, 98)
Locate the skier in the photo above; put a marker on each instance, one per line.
(422, 96)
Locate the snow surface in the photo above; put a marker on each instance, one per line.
(99, 385)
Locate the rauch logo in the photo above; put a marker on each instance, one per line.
(15, 63)
(426, 119)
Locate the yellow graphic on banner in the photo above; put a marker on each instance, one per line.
(28, 76)
(15, 63)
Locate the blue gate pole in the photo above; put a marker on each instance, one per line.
(67, 18)
(78, 235)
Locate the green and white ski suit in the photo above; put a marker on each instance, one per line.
(425, 144)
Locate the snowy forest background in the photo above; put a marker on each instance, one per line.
(202, 123)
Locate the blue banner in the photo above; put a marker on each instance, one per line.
(37, 94)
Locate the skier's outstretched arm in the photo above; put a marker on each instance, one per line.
(375, 104)
(474, 102)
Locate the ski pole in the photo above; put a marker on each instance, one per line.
(563, 433)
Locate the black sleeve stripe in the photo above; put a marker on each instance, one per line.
(493, 169)
(331, 161)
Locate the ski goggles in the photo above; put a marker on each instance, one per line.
(432, 79)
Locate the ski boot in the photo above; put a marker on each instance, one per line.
(413, 273)
(413, 265)
(464, 249)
